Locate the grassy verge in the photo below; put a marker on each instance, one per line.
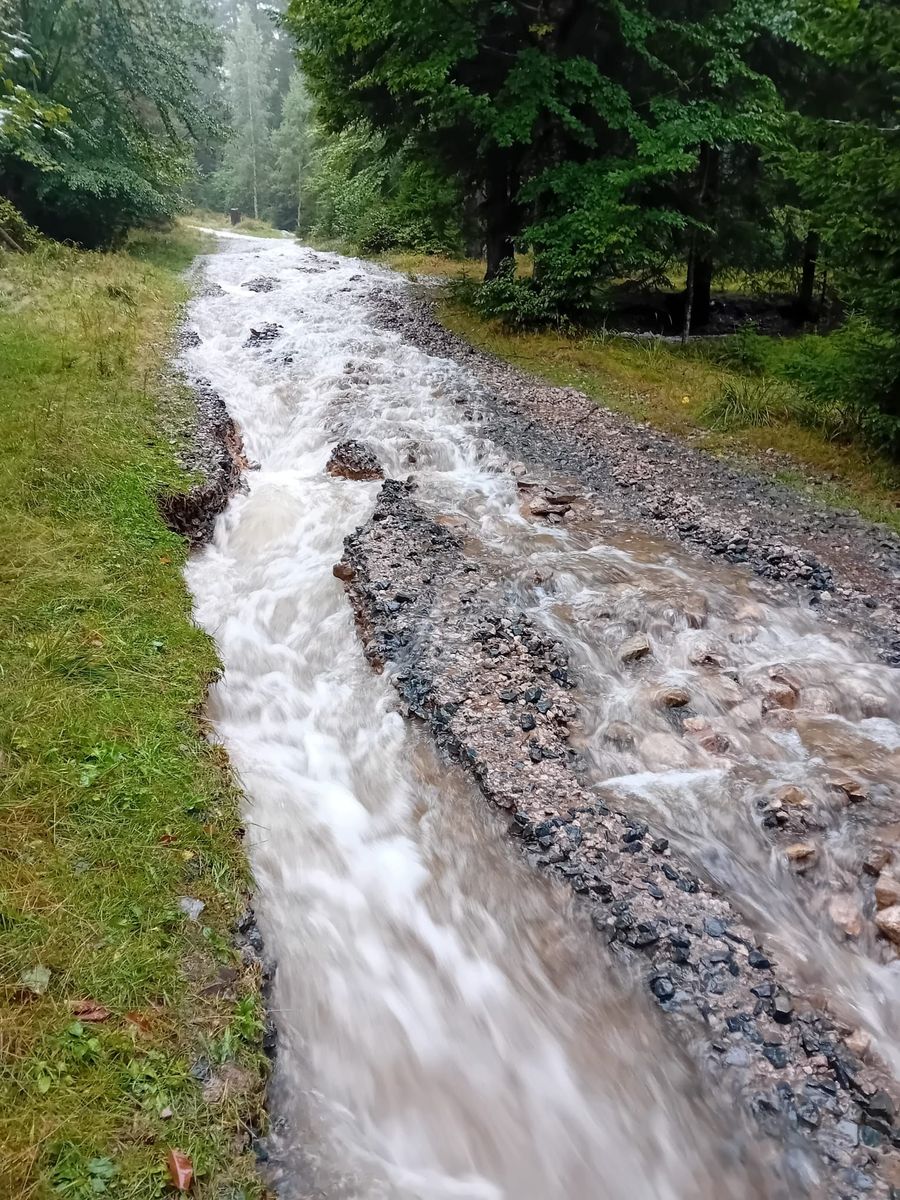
(650, 380)
(214, 220)
(114, 811)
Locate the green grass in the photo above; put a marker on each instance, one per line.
(112, 806)
(705, 395)
(214, 220)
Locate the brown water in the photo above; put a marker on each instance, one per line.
(448, 1027)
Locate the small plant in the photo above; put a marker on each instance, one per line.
(749, 403)
(80, 1178)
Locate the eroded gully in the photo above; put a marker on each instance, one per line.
(449, 1023)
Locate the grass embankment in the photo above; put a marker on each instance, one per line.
(701, 393)
(113, 807)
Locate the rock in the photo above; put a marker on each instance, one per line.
(190, 907)
(354, 460)
(782, 1008)
(858, 1043)
(800, 852)
(634, 648)
(876, 860)
(779, 695)
(343, 571)
(852, 788)
(844, 911)
(707, 737)
(887, 890)
(674, 697)
(619, 734)
(888, 922)
(817, 700)
(873, 705)
(266, 333)
(881, 1107)
(262, 283)
(789, 794)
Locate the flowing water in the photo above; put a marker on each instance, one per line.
(448, 1028)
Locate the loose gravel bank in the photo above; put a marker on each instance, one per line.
(846, 566)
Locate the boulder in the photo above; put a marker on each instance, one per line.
(354, 460)
(887, 890)
(888, 922)
(634, 648)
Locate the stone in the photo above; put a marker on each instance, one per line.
(888, 922)
(876, 860)
(354, 460)
(779, 695)
(887, 890)
(190, 907)
(634, 648)
(782, 1008)
(800, 852)
(844, 911)
(881, 1107)
(873, 705)
(858, 1043)
(789, 794)
(343, 571)
(674, 697)
(852, 788)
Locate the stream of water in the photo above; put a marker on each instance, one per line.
(447, 1026)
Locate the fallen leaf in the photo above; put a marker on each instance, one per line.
(139, 1020)
(164, 558)
(89, 1010)
(37, 980)
(181, 1170)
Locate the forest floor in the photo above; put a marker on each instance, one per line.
(651, 380)
(130, 1024)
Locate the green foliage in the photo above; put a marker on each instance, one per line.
(244, 180)
(357, 191)
(14, 225)
(748, 403)
(118, 87)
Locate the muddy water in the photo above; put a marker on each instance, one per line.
(448, 1027)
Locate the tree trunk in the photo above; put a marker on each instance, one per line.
(499, 224)
(689, 290)
(805, 303)
(698, 304)
(702, 305)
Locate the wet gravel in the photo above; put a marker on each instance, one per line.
(500, 699)
(846, 567)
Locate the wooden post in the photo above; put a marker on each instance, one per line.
(235, 214)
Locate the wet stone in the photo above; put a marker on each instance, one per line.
(354, 460)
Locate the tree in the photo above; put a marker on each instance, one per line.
(292, 148)
(245, 172)
(128, 76)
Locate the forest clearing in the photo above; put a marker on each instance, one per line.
(449, 711)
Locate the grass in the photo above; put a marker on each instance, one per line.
(214, 220)
(692, 395)
(112, 806)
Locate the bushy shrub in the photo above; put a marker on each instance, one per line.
(16, 228)
(518, 303)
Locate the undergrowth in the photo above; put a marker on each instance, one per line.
(113, 808)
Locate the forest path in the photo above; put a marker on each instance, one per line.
(449, 1023)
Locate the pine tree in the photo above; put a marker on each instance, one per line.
(246, 169)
